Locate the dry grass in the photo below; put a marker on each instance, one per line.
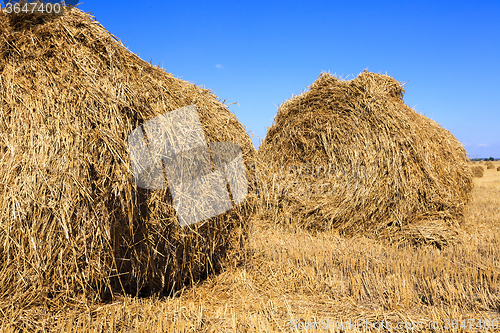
(64, 216)
(490, 165)
(299, 275)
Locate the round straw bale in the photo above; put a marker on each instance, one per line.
(477, 171)
(350, 155)
(72, 218)
(490, 165)
(498, 169)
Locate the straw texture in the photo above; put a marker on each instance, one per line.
(351, 156)
(73, 223)
(477, 171)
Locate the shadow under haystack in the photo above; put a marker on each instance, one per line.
(351, 156)
(72, 220)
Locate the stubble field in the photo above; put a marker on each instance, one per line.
(293, 280)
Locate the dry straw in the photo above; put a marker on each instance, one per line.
(73, 223)
(490, 165)
(498, 169)
(477, 171)
(350, 155)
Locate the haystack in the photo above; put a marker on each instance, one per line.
(490, 165)
(498, 169)
(72, 219)
(351, 156)
(477, 171)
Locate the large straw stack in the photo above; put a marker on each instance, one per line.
(72, 220)
(477, 171)
(350, 155)
(490, 165)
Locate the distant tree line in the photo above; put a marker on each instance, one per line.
(485, 159)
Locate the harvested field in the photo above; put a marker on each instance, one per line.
(296, 276)
(84, 249)
(351, 156)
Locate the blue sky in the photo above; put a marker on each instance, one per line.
(260, 53)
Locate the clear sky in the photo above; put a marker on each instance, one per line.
(260, 53)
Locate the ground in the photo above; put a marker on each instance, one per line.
(297, 280)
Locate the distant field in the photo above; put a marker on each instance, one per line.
(293, 279)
